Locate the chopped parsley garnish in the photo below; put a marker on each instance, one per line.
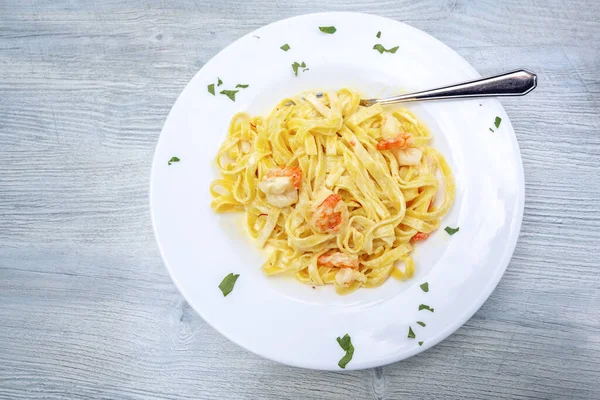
(425, 307)
(451, 231)
(239, 85)
(229, 93)
(173, 159)
(328, 29)
(411, 334)
(497, 122)
(379, 48)
(421, 323)
(285, 47)
(382, 49)
(425, 287)
(420, 343)
(491, 130)
(346, 344)
(297, 65)
(211, 89)
(219, 81)
(378, 34)
(227, 284)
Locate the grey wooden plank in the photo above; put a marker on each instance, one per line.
(86, 307)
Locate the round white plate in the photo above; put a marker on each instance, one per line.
(279, 318)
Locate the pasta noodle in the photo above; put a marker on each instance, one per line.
(337, 192)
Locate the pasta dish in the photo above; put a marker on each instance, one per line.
(337, 192)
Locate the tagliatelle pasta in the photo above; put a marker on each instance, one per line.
(337, 192)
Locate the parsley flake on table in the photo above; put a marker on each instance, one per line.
(451, 231)
(346, 344)
(229, 93)
(227, 283)
(328, 29)
(425, 307)
(382, 49)
(173, 159)
(425, 287)
(285, 47)
(411, 334)
(211, 89)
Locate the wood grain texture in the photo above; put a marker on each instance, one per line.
(87, 309)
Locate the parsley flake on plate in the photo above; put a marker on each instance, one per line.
(239, 85)
(229, 93)
(421, 323)
(227, 283)
(425, 287)
(328, 29)
(173, 159)
(285, 47)
(297, 65)
(382, 49)
(497, 122)
(425, 307)
(411, 334)
(420, 343)
(346, 344)
(219, 81)
(378, 34)
(451, 231)
(211, 89)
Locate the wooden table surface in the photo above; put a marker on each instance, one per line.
(87, 309)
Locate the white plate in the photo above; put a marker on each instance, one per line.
(279, 318)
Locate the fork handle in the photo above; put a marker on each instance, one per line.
(515, 83)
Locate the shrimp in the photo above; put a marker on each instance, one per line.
(410, 156)
(338, 259)
(293, 172)
(281, 186)
(402, 141)
(345, 276)
(390, 126)
(420, 236)
(327, 216)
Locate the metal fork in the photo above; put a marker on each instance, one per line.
(515, 83)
